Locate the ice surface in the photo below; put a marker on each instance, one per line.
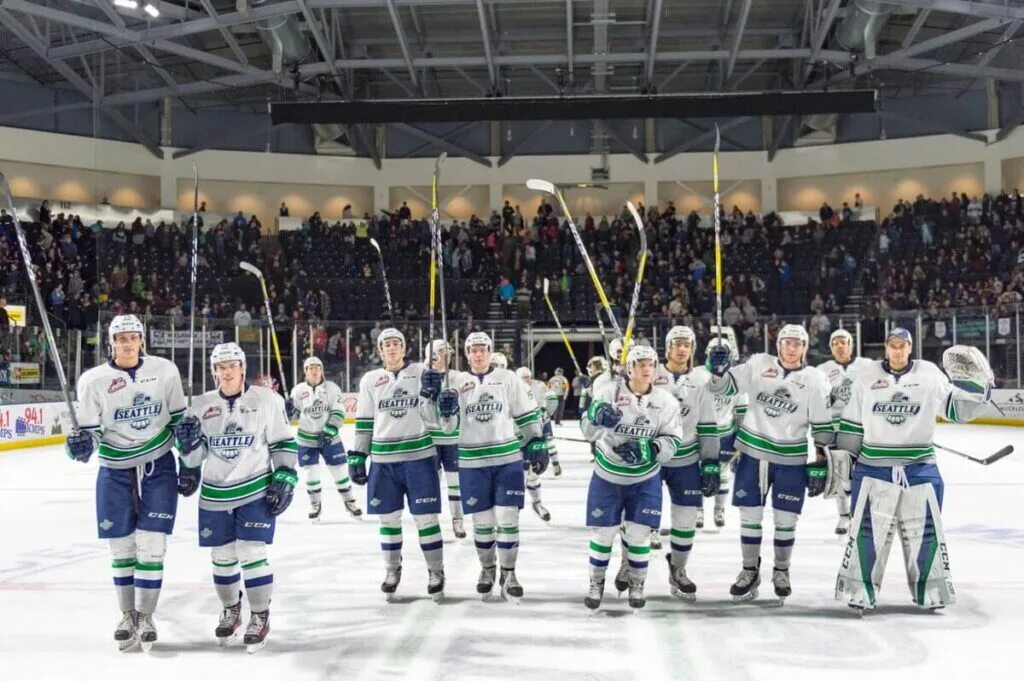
(329, 619)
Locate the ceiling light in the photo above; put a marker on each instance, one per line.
(151, 10)
(128, 4)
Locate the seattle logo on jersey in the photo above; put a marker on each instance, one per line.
(485, 409)
(317, 409)
(723, 402)
(399, 404)
(230, 445)
(640, 428)
(898, 409)
(777, 403)
(841, 393)
(141, 413)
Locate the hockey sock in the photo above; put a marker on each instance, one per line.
(454, 493)
(533, 486)
(601, 540)
(785, 537)
(843, 500)
(684, 527)
(508, 535)
(149, 569)
(313, 482)
(122, 562)
(430, 540)
(341, 482)
(750, 535)
(226, 573)
(638, 541)
(484, 536)
(391, 539)
(259, 578)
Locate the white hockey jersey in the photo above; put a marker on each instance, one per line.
(545, 398)
(729, 409)
(890, 419)
(393, 423)
(653, 416)
(696, 415)
(496, 409)
(317, 406)
(437, 432)
(131, 412)
(245, 438)
(840, 377)
(783, 405)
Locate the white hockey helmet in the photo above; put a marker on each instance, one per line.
(125, 323)
(793, 332)
(683, 333)
(439, 345)
(312, 362)
(388, 334)
(499, 360)
(524, 374)
(841, 333)
(226, 352)
(597, 365)
(638, 353)
(478, 338)
(615, 349)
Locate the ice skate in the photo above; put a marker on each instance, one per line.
(680, 585)
(593, 598)
(621, 578)
(719, 517)
(146, 632)
(314, 511)
(485, 582)
(700, 518)
(390, 584)
(780, 580)
(459, 528)
(557, 468)
(126, 633)
(745, 588)
(230, 621)
(511, 590)
(541, 511)
(636, 594)
(353, 508)
(256, 632)
(655, 540)
(843, 526)
(435, 585)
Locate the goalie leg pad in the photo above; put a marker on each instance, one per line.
(837, 479)
(924, 542)
(867, 549)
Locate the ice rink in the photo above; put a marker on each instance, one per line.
(329, 619)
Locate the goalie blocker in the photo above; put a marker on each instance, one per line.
(887, 428)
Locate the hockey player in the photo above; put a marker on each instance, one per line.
(595, 367)
(128, 408)
(635, 427)
(694, 469)
(543, 396)
(559, 385)
(321, 416)
(496, 410)
(840, 372)
(729, 411)
(239, 434)
(398, 407)
(499, 360)
(787, 398)
(447, 444)
(888, 425)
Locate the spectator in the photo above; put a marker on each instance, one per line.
(242, 316)
(283, 210)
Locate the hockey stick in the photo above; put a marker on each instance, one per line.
(565, 339)
(8, 198)
(435, 247)
(604, 336)
(718, 234)
(634, 303)
(572, 439)
(384, 276)
(550, 188)
(195, 260)
(252, 269)
(991, 458)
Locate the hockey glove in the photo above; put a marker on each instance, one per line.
(585, 382)
(281, 490)
(430, 384)
(603, 415)
(635, 452)
(719, 359)
(357, 467)
(537, 454)
(448, 403)
(189, 433)
(327, 436)
(290, 411)
(188, 479)
(710, 477)
(817, 472)
(80, 445)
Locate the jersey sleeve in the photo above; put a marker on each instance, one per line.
(707, 426)
(283, 448)
(89, 411)
(958, 405)
(336, 417)
(175, 395)
(851, 425)
(195, 458)
(670, 430)
(364, 416)
(735, 381)
(550, 402)
(524, 409)
(604, 395)
(819, 410)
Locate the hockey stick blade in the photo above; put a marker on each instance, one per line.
(373, 242)
(541, 185)
(250, 268)
(988, 460)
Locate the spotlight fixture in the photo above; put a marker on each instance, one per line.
(151, 10)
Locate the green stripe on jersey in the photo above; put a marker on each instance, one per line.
(850, 427)
(115, 453)
(683, 451)
(401, 447)
(875, 452)
(233, 492)
(364, 424)
(766, 445)
(488, 451)
(619, 469)
(529, 417)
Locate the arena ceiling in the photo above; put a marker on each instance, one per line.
(239, 55)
